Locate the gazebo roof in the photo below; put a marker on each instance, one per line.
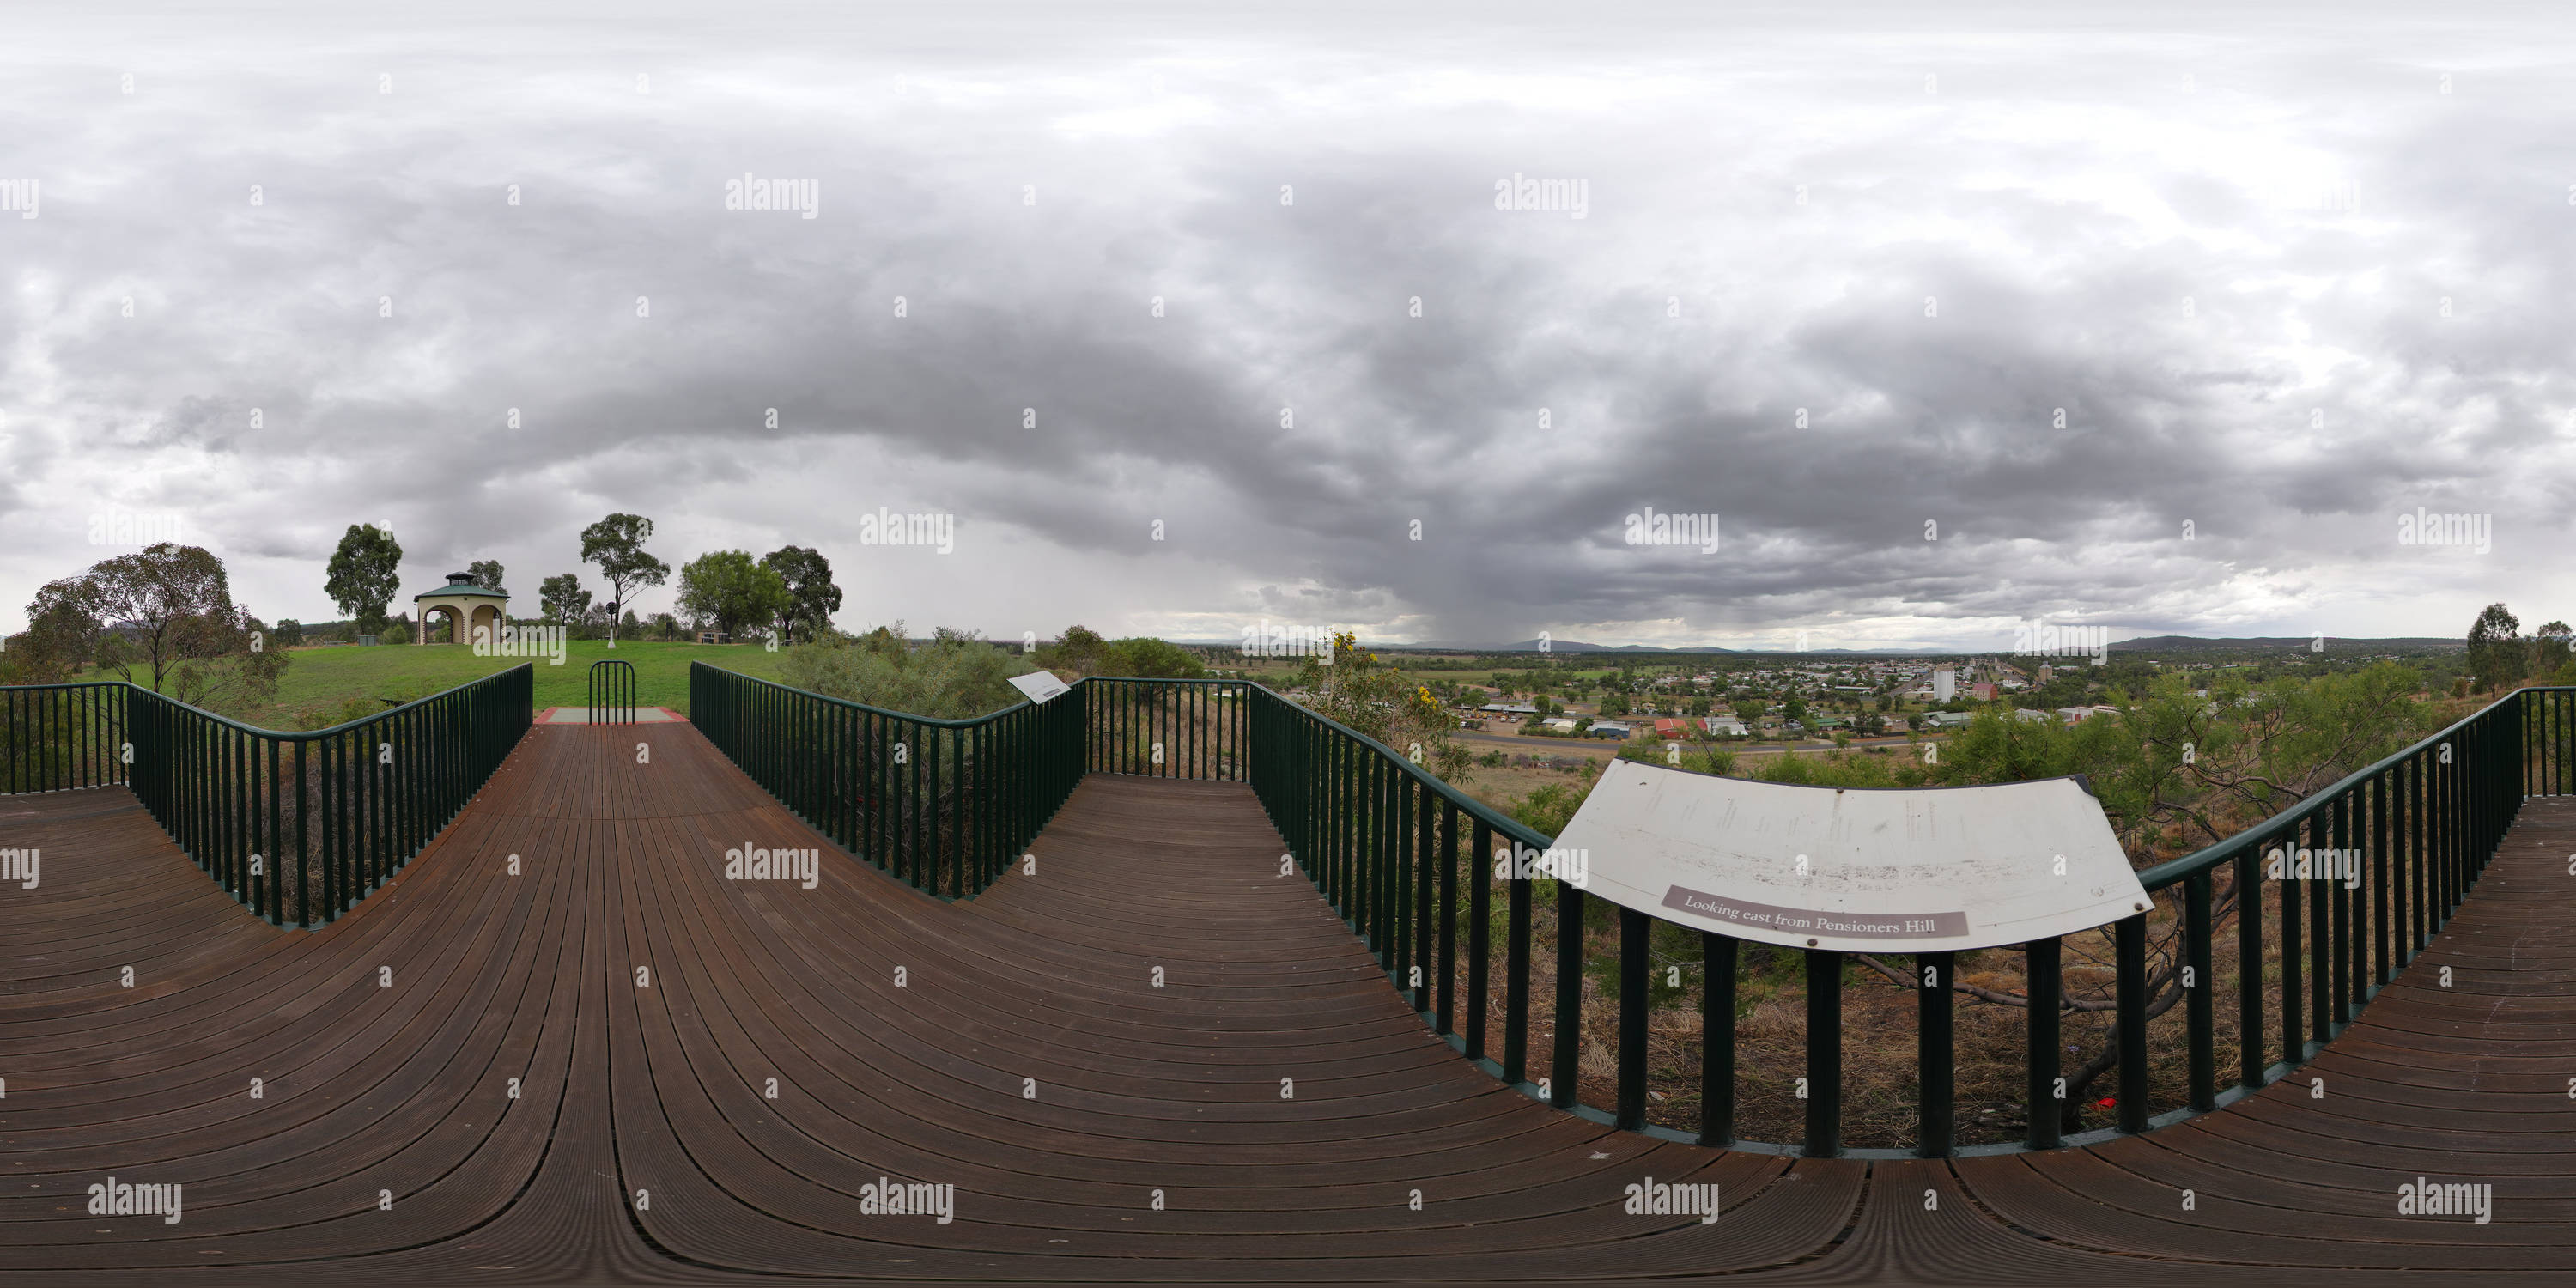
(462, 585)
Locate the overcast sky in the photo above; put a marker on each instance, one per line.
(2287, 277)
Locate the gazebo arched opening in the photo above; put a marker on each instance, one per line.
(468, 607)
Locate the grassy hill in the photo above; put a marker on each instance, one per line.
(322, 681)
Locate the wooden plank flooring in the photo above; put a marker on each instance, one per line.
(1017, 1048)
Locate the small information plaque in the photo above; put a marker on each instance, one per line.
(1856, 870)
(1039, 685)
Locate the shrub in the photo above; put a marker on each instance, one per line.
(954, 676)
(1549, 808)
(1082, 652)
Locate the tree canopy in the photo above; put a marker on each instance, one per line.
(364, 575)
(811, 596)
(563, 598)
(1081, 651)
(2496, 652)
(2552, 649)
(167, 612)
(616, 544)
(729, 589)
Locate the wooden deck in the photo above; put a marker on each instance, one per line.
(1026, 1057)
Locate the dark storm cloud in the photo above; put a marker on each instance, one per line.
(2050, 205)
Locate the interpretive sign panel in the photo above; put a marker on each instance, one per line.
(1039, 685)
(1893, 871)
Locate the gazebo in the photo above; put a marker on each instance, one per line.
(467, 606)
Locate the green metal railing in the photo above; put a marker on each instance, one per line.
(293, 825)
(1404, 858)
(1166, 728)
(61, 737)
(609, 689)
(1381, 837)
(943, 805)
(2424, 821)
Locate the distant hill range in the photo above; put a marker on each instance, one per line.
(2145, 644)
(2334, 644)
(1578, 646)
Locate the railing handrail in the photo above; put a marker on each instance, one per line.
(963, 722)
(2155, 878)
(936, 722)
(2208, 857)
(1480, 811)
(282, 735)
(951, 814)
(362, 808)
(1502, 823)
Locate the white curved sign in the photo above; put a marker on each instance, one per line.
(1856, 870)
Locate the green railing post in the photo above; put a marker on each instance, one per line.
(2046, 1095)
(1447, 848)
(1935, 1049)
(1824, 1076)
(2249, 970)
(2294, 1037)
(2129, 948)
(1480, 932)
(1516, 979)
(302, 913)
(1635, 928)
(1569, 989)
(1717, 1039)
(2199, 1012)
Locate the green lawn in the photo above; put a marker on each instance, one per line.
(320, 680)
